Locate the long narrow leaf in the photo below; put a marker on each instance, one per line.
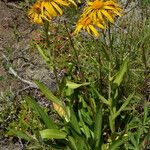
(105, 101)
(74, 122)
(46, 119)
(21, 135)
(41, 51)
(73, 85)
(49, 95)
(73, 143)
(121, 72)
(98, 128)
(53, 134)
(116, 144)
(124, 105)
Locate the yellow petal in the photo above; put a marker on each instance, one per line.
(117, 13)
(94, 30)
(61, 2)
(107, 15)
(49, 8)
(100, 25)
(88, 30)
(78, 28)
(57, 8)
(71, 1)
(94, 17)
(99, 14)
(109, 7)
(111, 3)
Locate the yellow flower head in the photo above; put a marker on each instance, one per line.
(101, 10)
(88, 25)
(35, 13)
(95, 14)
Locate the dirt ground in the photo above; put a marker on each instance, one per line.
(16, 35)
(17, 53)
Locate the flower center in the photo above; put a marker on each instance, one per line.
(97, 4)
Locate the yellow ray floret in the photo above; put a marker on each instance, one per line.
(88, 25)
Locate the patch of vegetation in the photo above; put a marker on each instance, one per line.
(102, 97)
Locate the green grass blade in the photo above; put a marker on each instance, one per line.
(98, 129)
(74, 122)
(116, 144)
(35, 106)
(127, 101)
(21, 135)
(145, 112)
(72, 143)
(105, 101)
(44, 56)
(53, 134)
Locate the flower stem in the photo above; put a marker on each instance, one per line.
(75, 51)
(112, 103)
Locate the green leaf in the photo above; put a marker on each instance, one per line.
(72, 143)
(35, 106)
(116, 144)
(119, 77)
(98, 128)
(53, 134)
(74, 122)
(105, 101)
(41, 51)
(49, 95)
(127, 101)
(73, 85)
(21, 135)
(85, 129)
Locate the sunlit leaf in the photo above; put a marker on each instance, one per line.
(53, 134)
(73, 85)
(119, 77)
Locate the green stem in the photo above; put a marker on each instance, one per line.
(51, 55)
(46, 29)
(75, 51)
(112, 104)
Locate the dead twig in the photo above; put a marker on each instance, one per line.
(13, 72)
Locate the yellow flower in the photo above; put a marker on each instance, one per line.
(88, 25)
(36, 15)
(100, 10)
(53, 6)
